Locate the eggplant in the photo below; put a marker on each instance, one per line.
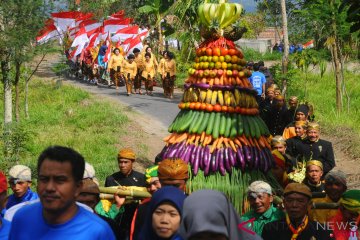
(187, 85)
(207, 160)
(174, 150)
(221, 162)
(196, 161)
(240, 158)
(202, 86)
(168, 151)
(263, 161)
(180, 150)
(226, 160)
(217, 87)
(188, 153)
(270, 158)
(161, 154)
(256, 157)
(201, 157)
(214, 162)
(232, 156)
(193, 155)
(183, 152)
(247, 155)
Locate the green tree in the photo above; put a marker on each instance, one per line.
(158, 9)
(19, 23)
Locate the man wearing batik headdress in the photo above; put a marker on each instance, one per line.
(313, 147)
(292, 106)
(335, 186)
(346, 221)
(173, 172)
(313, 174)
(291, 143)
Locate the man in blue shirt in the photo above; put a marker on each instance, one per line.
(56, 216)
(20, 182)
(258, 81)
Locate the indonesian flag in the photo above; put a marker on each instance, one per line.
(65, 20)
(133, 43)
(143, 33)
(125, 33)
(309, 44)
(83, 17)
(48, 33)
(113, 25)
(108, 51)
(88, 24)
(94, 40)
(81, 38)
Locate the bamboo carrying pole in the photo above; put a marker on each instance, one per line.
(127, 192)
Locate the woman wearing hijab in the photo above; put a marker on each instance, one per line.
(164, 215)
(215, 220)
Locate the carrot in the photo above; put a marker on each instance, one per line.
(214, 145)
(219, 143)
(181, 137)
(261, 143)
(197, 139)
(216, 81)
(256, 143)
(251, 142)
(232, 144)
(237, 142)
(226, 82)
(166, 139)
(239, 82)
(211, 81)
(172, 139)
(226, 141)
(266, 142)
(191, 138)
(209, 139)
(243, 139)
(233, 81)
(202, 138)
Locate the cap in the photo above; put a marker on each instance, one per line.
(303, 108)
(336, 176)
(89, 171)
(127, 154)
(20, 172)
(297, 188)
(89, 186)
(313, 126)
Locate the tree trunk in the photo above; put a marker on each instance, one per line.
(5, 69)
(17, 90)
(26, 99)
(285, 59)
(161, 45)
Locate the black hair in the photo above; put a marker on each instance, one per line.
(147, 49)
(148, 55)
(131, 56)
(256, 67)
(261, 63)
(170, 55)
(116, 49)
(136, 50)
(64, 154)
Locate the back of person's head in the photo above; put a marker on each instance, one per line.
(136, 50)
(62, 155)
(256, 67)
(170, 55)
(261, 64)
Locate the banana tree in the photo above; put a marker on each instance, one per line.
(157, 8)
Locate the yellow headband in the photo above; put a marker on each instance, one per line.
(314, 162)
(301, 123)
(278, 139)
(313, 126)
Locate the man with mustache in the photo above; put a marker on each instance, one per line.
(296, 225)
(56, 216)
(260, 197)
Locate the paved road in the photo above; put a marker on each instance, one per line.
(162, 109)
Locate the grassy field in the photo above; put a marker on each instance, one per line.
(63, 115)
(321, 93)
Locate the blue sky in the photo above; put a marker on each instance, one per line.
(249, 5)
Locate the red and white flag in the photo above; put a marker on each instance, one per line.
(133, 43)
(108, 50)
(125, 33)
(65, 20)
(113, 25)
(309, 44)
(48, 33)
(143, 33)
(81, 38)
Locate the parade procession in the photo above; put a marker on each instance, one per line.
(241, 160)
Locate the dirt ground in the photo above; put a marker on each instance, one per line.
(153, 131)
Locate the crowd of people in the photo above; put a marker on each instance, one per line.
(135, 71)
(68, 203)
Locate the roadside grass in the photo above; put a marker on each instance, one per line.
(68, 116)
